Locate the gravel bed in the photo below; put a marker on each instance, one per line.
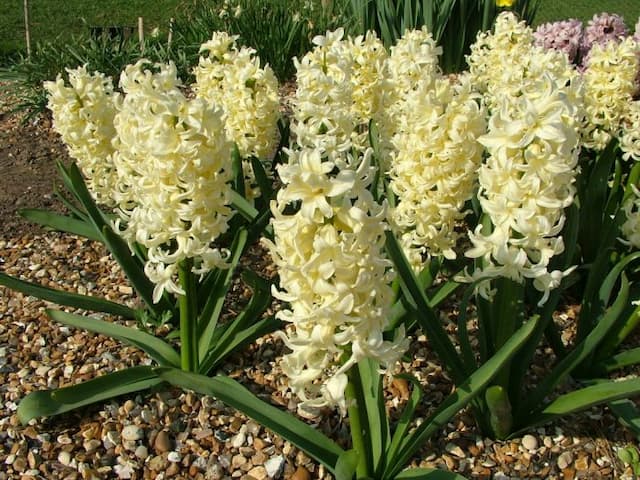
(175, 434)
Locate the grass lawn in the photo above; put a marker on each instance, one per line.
(584, 10)
(49, 19)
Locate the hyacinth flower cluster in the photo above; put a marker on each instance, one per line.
(602, 29)
(172, 158)
(608, 58)
(436, 157)
(83, 115)
(576, 40)
(563, 35)
(341, 86)
(233, 80)
(610, 84)
(329, 252)
(532, 146)
(333, 274)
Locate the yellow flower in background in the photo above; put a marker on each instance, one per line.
(505, 3)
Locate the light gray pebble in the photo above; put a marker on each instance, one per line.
(64, 458)
(141, 452)
(174, 457)
(131, 433)
(240, 437)
(274, 466)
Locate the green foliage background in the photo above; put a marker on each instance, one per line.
(52, 19)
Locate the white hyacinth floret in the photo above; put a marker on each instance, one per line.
(610, 84)
(173, 164)
(332, 274)
(340, 88)
(532, 144)
(83, 116)
(435, 164)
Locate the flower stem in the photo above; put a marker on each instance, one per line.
(188, 318)
(356, 406)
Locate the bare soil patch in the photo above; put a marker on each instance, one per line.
(28, 154)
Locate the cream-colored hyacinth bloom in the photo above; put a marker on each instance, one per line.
(83, 116)
(610, 83)
(434, 169)
(500, 63)
(341, 86)
(413, 59)
(173, 165)
(332, 274)
(527, 179)
(629, 135)
(232, 79)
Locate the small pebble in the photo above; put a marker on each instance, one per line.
(141, 452)
(174, 457)
(301, 473)
(564, 460)
(131, 433)
(64, 458)
(530, 442)
(162, 442)
(274, 466)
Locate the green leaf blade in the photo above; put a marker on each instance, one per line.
(68, 299)
(62, 223)
(46, 403)
(157, 349)
(305, 437)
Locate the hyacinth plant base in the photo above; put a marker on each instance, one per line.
(184, 435)
(172, 434)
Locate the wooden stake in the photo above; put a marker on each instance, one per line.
(170, 36)
(141, 33)
(26, 27)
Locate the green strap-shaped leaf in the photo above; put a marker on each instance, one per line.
(75, 184)
(566, 366)
(303, 436)
(157, 349)
(69, 299)
(620, 360)
(47, 403)
(404, 423)
(601, 392)
(346, 465)
(627, 323)
(62, 223)
(208, 320)
(500, 411)
(116, 245)
(232, 340)
(627, 414)
(375, 412)
(237, 170)
(263, 181)
(70, 204)
(134, 272)
(465, 392)
(427, 474)
(243, 207)
(593, 201)
(427, 319)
